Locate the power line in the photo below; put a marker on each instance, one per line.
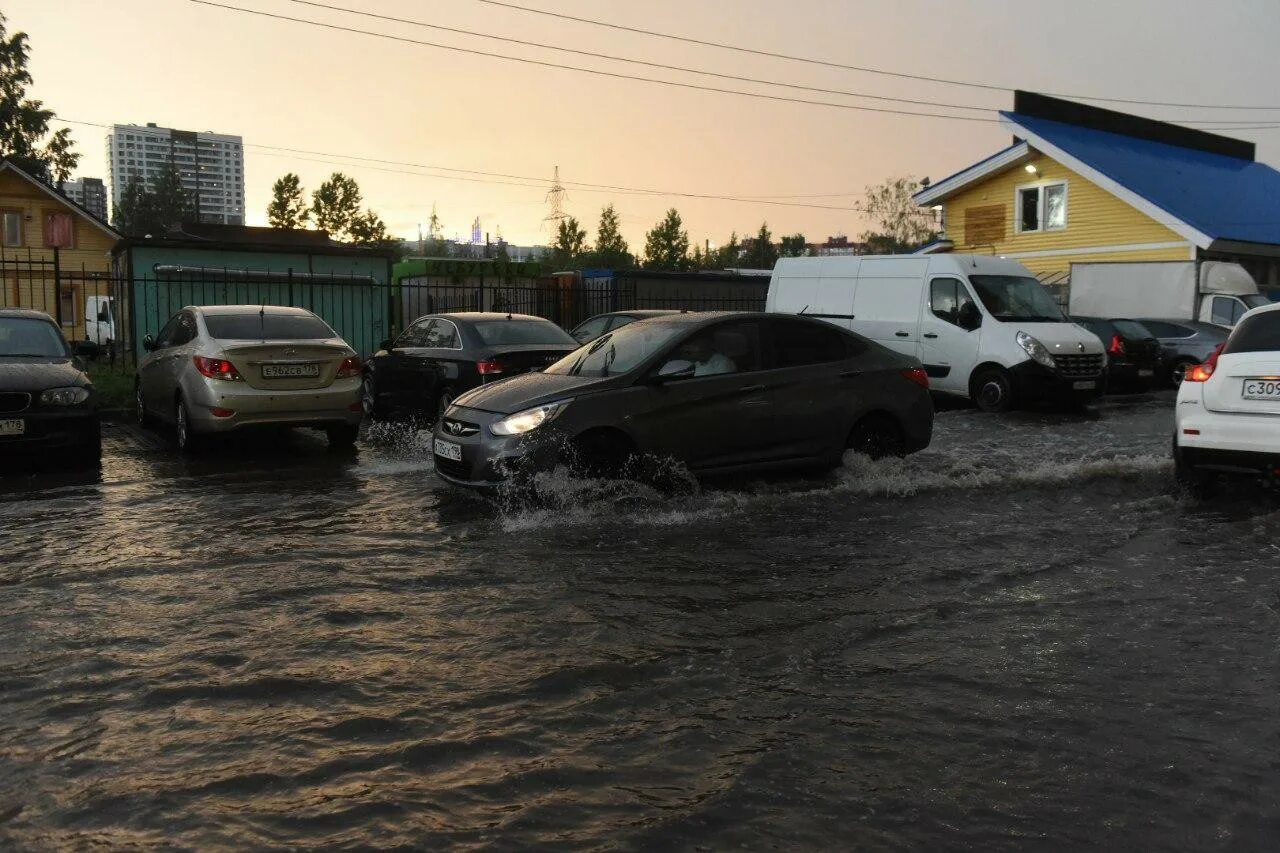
(664, 66)
(844, 67)
(511, 180)
(598, 72)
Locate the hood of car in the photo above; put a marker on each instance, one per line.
(1065, 338)
(532, 389)
(37, 374)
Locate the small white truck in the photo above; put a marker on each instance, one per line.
(1215, 292)
(100, 321)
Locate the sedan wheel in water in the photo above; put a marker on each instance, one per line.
(369, 399)
(877, 436)
(992, 391)
(188, 440)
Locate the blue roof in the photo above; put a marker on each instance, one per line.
(1224, 198)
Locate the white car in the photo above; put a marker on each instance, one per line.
(221, 368)
(1228, 414)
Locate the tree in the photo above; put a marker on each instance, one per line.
(25, 122)
(368, 229)
(902, 225)
(611, 249)
(666, 246)
(727, 256)
(288, 208)
(171, 202)
(794, 246)
(134, 215)
(762, 254)
(571, 240)
(336, 205)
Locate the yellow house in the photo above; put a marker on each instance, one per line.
(1082, 184)
(54, 254)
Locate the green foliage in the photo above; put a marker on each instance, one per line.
(171, 201)
(288, 208)
(793, 246)
(761, 253)
(902, 225)
(368, 229)
(666, 246)
(336, 206)
(571, 241)
(611, 250)
(156, 211)
(25, 122)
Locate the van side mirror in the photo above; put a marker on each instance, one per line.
(969, 317)
(149, 343)
(676, 368)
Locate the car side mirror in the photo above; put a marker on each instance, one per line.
(78, 363)
(149, 343)
(676, 368)
(385, 345)
(969, 317)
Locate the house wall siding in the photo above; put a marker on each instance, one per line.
(1095, 218)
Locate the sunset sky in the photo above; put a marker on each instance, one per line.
(289, 85)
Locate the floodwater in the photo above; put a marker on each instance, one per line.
(1021, 638)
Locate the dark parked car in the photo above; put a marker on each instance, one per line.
(1133, 353)
(46, 401)
(589, 330)
(719, 392)
(1184, 343)
(442, 355)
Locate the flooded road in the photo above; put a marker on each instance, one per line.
(1021, 638)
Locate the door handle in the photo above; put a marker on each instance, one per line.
(903, 334)
(751, 389)
(930, 335)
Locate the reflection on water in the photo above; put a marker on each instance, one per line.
(1022, 637)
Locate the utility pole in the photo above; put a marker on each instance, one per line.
(555, 198)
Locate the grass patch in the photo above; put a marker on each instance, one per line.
(113, 384)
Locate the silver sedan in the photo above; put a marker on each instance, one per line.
(221, 368)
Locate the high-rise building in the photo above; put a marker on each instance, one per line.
(89, 193)
(211, 166)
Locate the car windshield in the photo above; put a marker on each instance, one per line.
(1132, 330)
(1260, 333)
(274, 327)
(1017, 297)
(618, 352)
(31, 337)
(522, 333)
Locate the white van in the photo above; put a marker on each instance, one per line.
(100, 321)
(983, 327)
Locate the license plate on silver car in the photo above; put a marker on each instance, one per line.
(290, 371)
(1262, 389)
(448, 450)
(13, 426)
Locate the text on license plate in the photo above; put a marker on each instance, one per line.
(1084, 386)
(1262, 389)
(290, 371)
(448, 450)
(13, 426)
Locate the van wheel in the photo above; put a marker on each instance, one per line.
(877, 436)
(993, 391)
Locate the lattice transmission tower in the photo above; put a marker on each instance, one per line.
(555, 198)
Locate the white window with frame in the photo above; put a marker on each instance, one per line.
(1041, 207)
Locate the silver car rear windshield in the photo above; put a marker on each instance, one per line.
(271, 327)
(617, 352)
(32, 338)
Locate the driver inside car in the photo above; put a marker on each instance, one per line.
(707, 361)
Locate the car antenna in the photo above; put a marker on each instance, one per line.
(804, 309)
(262, 323)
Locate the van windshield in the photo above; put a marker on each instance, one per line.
(1017, 297)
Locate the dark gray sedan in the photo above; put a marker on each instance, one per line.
(719, 392)
(1184, 343)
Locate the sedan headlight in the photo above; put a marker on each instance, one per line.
(1038, 352)
(64, 396)
(529, 419)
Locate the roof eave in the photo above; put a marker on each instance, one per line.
(1120, 191)
(59, 197)
(949, 186)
